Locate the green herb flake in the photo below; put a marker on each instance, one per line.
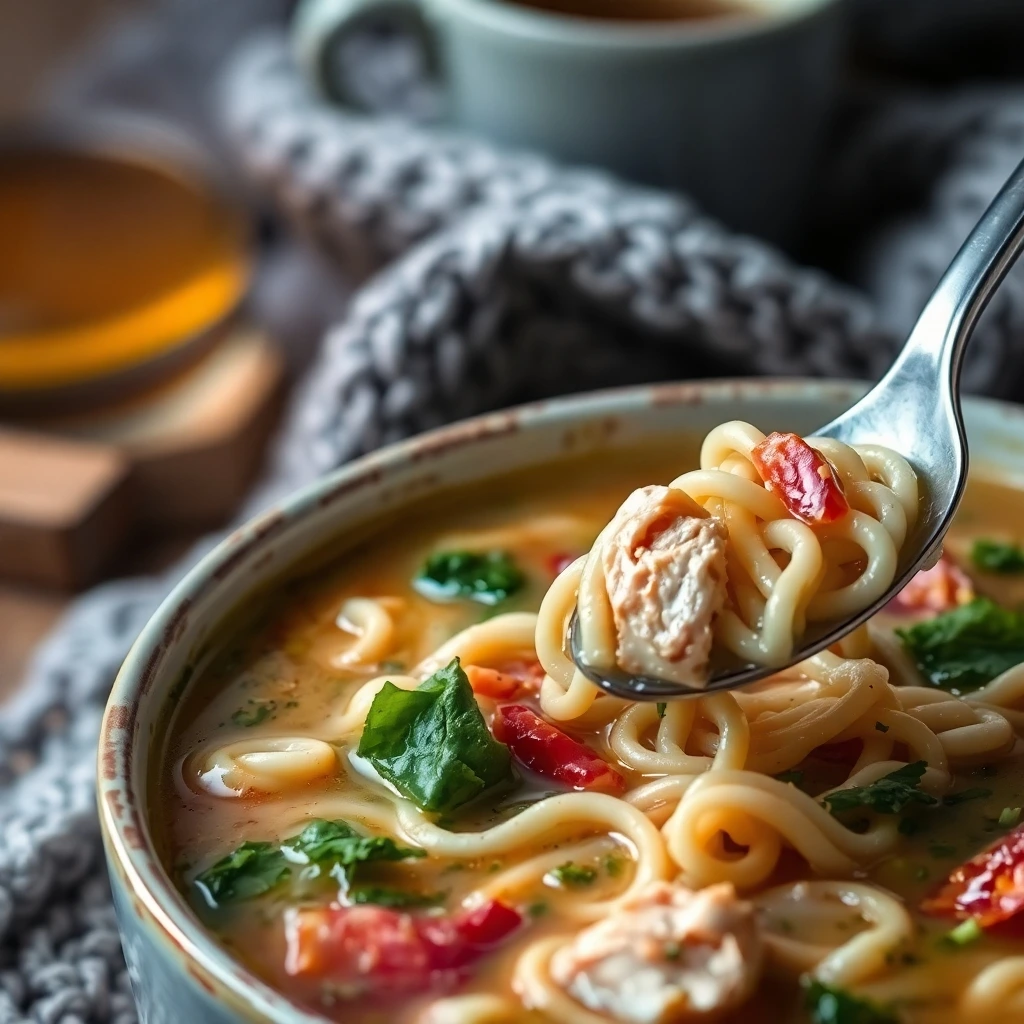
(952, 799)
(881, 727)
(887, 795)
(964, 933)
(386, 896)
(1009, 816)
(573, 876)
(997, 556)
(829, 1005)
(432, 743)
(662, 708)
(613, 865)
(538, 909)
(488, 578)
(672, 951)
(967, 647)
(796, 778)
(248, 717)
(251, 870)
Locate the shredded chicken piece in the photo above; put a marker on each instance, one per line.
(664, 563)
(667, 956)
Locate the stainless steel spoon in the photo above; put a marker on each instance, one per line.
(915, 410)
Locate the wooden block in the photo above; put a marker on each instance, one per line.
(196, 443)
(65, 508)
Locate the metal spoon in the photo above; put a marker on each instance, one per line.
(915, 410)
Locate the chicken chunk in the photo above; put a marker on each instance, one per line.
(669, 955)
(664, 564)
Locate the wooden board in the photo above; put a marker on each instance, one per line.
(75, 491)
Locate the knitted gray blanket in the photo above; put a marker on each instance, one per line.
(508, 279)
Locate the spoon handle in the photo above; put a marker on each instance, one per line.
(934, 351)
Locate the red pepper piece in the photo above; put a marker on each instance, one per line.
(939, 589)
(378, 949)
(557, 564)
(550, 752)
(512, 679)
(801, 478)
(989, 887)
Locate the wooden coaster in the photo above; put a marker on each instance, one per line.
(65, 508)
(74, 492)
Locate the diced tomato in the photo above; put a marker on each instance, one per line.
(557, 564)
(550, 752)
(378, 949)
(939, 589)
(801, 477)
(513, 679)
(989, 887)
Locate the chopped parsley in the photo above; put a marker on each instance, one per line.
(794, 777)
(1009, 816)
(322, 849)
(964, 933)
(662, 708)
(489, 578)
(888, 795)
(967, 647)
(573, 876)
(997, 556)
(386, 896)
(975, 793)
(249, 717)
(830, 1005)
(432, 743)
(881, 727)
(538, 909)
(613, 865)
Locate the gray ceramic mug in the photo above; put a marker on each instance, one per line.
(730, 110)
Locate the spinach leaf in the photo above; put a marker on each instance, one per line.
(321, 848)
(967, 647)
(432, 743)
(251, 870)
(488, 577)
(995, 556)
(829, 1005)
(386, 896)
(334, 848)
(573, 876)
(887, 795)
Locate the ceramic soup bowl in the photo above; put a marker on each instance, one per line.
(179, 973)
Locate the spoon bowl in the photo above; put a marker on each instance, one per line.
(915, 410)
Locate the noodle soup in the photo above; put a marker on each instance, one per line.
(390, 796)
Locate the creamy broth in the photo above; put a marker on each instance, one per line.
(289, 673)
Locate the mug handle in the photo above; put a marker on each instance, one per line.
(320, 27)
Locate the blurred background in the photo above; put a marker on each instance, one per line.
(156, 308)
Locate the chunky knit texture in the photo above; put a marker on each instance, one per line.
(514, 279)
